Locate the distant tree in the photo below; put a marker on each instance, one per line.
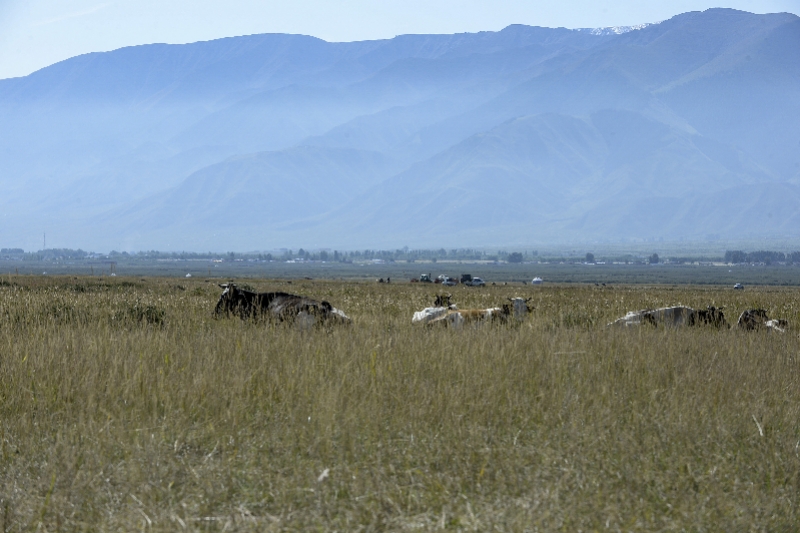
(514, 257)
(653, 259)
(766, 257)
(590, 257)
(735, 256)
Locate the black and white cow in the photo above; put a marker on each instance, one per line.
(754, 319)
(675, 316)
(276, 306)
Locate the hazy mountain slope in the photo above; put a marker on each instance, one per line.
(682, 129)
(115, 182)
(278, 118)
(261, 189)
(547, 172)
(631, 72)
(750, 98)
(747, 211)
(244, 94)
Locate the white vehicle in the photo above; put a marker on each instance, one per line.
(476, 282)
(537, 281)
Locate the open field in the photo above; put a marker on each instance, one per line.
(726, 275)
(125, 406)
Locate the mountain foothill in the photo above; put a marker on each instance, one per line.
(686, 129)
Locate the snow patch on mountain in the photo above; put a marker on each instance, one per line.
(617, 30)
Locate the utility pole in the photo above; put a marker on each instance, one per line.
(44, 238)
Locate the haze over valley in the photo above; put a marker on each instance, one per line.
(687, 129)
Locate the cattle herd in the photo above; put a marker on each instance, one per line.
(304, 311)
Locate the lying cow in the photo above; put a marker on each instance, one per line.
(457, 318)
(276, 306)
(675, 316)
(441, 305)
(753, 319)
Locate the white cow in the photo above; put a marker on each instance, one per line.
(441, 306)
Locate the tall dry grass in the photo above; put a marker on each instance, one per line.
(124, 405)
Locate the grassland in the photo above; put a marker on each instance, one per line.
(125, 406)
(664, 274)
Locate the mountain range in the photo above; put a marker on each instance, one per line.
(687, 129)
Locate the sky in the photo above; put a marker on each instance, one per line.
(38, 33)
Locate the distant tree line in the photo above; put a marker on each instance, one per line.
(404, 254)
(401, 254)
(50, 254)
(762, 256)
(398, 255)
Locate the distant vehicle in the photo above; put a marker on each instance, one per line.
(537, 281)
(475, 282)
(738, 287)
(425, 278)
(445, 280)
(466, 277)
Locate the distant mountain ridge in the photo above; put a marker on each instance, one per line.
(684, 129)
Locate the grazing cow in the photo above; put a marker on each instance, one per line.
(276, 306)
(675, 316)
(753, 319)
(441, 305)
(456, 318)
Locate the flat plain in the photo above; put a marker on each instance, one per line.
(124, 405)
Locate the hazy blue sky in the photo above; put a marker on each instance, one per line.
(37, 33)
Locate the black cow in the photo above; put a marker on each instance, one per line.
(276, 306)
(443, 300)
(711, 316)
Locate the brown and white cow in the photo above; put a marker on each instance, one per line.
(518, 307)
